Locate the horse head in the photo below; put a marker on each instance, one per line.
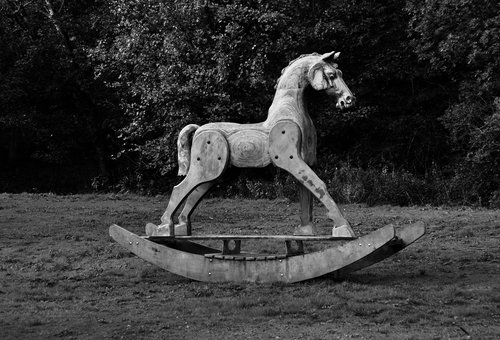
(325, 75)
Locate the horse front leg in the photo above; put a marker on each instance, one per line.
(306, 216)
(284, 146)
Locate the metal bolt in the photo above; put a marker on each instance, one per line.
(211, 260)
(369, 244)
(360, 244)
(281, 260)
(282, 274)
(130, 242)
(209, 273)
(137, 242)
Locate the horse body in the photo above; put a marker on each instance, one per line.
(248, 143)
(287, 138)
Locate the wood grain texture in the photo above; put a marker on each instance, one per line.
(209, 156)
(404, 237)
(249, 148)
(184, 147)
(177, 259)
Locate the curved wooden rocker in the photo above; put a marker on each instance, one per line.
(180, 256)
(286, 139)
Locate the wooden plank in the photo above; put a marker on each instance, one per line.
(253, 237)
(246, 257)
(294, 248)
(186, 246)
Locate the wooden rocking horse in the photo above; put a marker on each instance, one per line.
(287, 139)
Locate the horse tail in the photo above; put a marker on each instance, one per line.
(184, 147)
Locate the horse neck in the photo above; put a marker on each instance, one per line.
(289, 97)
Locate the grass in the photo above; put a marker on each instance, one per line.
(61, 276)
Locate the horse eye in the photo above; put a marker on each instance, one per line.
(332, 76)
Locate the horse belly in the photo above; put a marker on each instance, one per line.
(249, 148)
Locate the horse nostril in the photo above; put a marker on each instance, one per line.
(348, 99)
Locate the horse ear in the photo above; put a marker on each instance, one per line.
(330, 56)
(327, 56)
(317, 77)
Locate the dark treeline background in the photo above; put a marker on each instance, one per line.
(94, 92)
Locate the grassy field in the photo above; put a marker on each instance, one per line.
(62, 276)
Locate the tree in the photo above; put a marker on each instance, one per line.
(81, 81)
(461, 41)
(182, 62)
(53, 110)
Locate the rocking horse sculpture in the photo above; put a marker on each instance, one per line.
(286, 139)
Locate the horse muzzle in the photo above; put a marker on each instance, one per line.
(345, 101)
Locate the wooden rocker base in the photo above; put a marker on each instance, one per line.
(404, 238)
(185, 258)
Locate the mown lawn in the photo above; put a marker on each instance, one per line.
(62, 276)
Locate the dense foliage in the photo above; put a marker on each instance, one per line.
(95, 92)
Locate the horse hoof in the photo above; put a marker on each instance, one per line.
(304, 230)
(183, 229)
(151, 229)
(161, 230)
(343, 231)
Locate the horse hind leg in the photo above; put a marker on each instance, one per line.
(184, 225)
(209, 159)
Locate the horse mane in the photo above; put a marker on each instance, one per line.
(314, 54)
